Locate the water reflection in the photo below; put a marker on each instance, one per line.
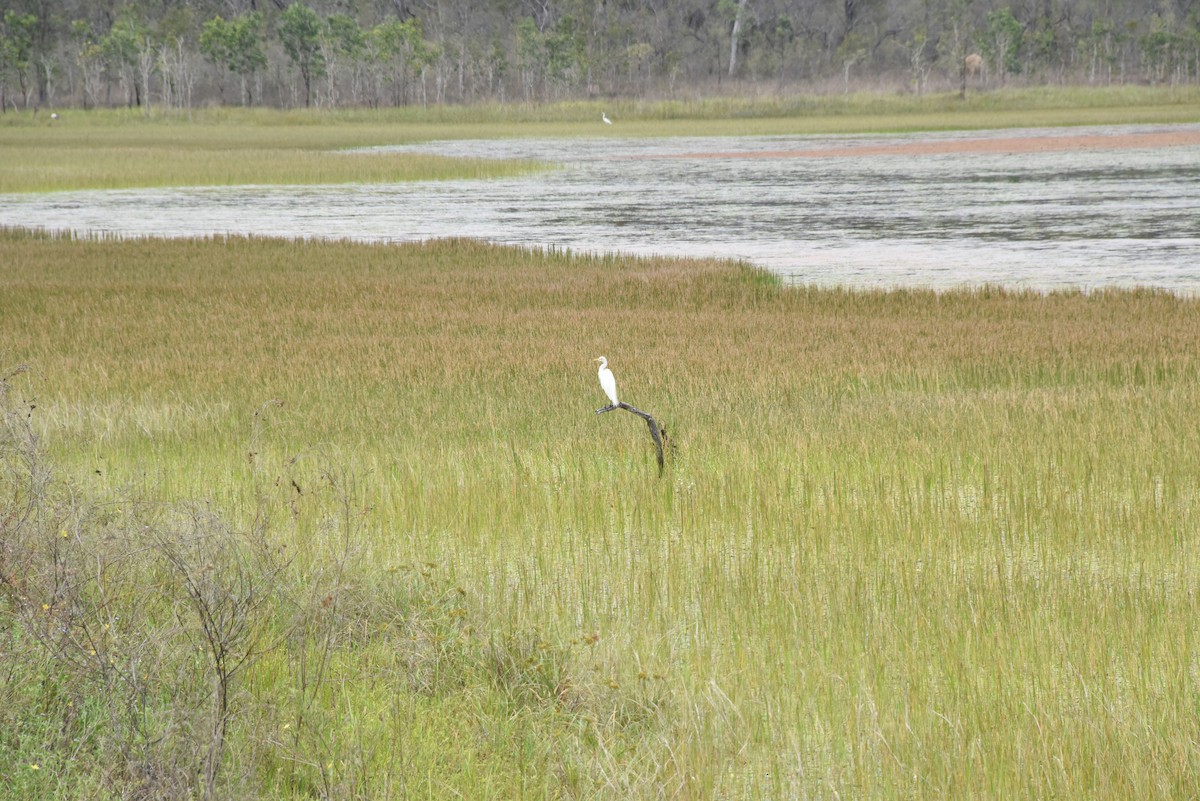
(1087, 218)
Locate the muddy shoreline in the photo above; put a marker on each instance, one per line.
(1065, 142)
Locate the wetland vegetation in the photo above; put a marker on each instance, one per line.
(110, 149)
(293, 519)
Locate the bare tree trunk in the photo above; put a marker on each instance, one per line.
(733, 39)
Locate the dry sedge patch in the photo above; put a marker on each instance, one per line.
(908, 544)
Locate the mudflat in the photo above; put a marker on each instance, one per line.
(984, 144)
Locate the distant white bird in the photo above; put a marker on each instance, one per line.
(604, 117)
(607, 382)
(54, 115)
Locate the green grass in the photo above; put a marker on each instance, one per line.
(82, 153)
(908, 544)
(121, 148)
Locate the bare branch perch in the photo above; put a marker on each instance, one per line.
(655, 432)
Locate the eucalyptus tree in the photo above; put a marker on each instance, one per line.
(129, 51)
(300, 32)
(176, 55)
(1002, 42)
(737, 10)
(563, 48)
(238, 46)
(399, 55)
(343, 46)
(529, 56)
(29, 35)
(89, 57)
(17, 54)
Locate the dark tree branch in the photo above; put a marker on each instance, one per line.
(655, 432)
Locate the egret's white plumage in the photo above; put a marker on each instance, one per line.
(607, 382)
(604, 117)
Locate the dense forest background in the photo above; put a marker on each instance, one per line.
(336, 53)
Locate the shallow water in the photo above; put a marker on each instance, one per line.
(1087, 218)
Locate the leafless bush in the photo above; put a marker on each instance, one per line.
(153, 610)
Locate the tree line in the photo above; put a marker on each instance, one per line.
(339, 53)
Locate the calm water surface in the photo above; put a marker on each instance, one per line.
(1086, 218)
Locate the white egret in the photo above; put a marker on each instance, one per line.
(604, 117)
(607, 382)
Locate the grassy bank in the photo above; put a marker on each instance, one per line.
(123, 148)
(907, 544)
(94, 153)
